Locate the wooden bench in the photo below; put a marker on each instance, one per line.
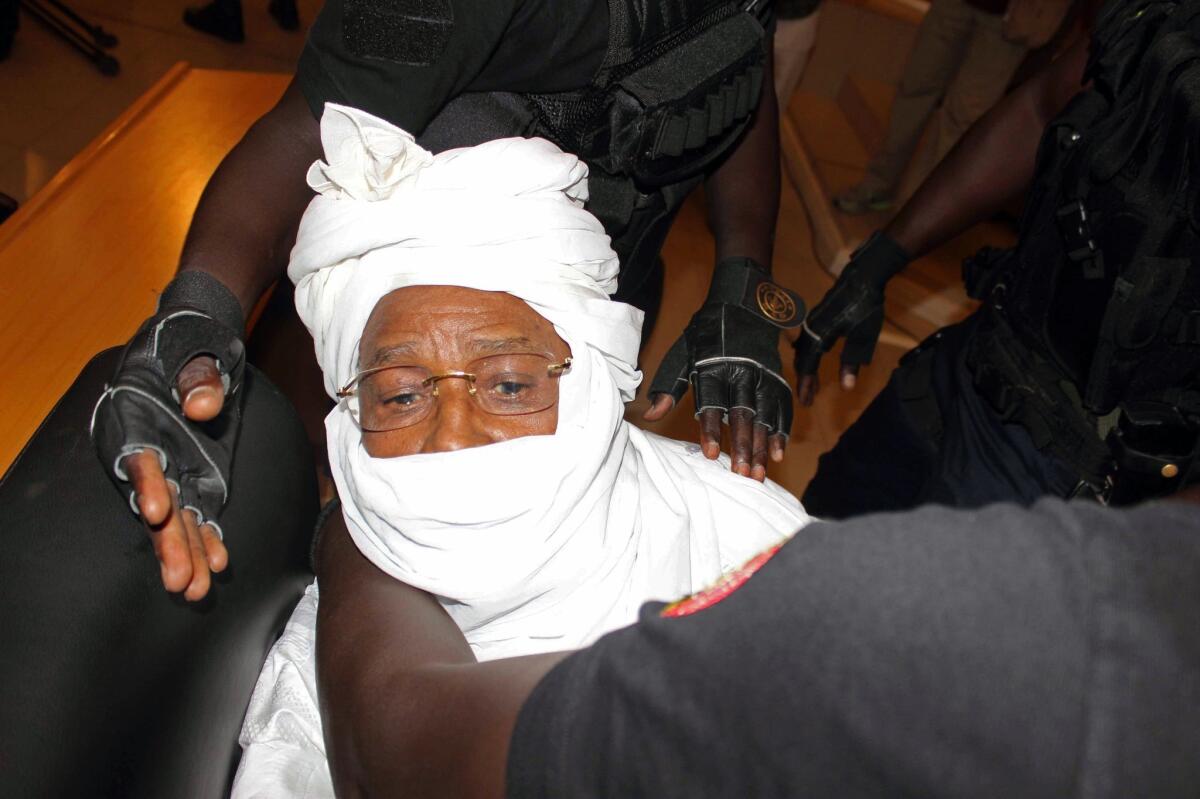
(83, 261)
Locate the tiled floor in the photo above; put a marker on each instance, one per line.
(53, 102)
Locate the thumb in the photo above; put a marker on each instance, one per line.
(660, 405)
(201, 392)
(670, 382)
(860, 341)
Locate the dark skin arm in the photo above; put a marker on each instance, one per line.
(406, 708)
(743, 203)
(990, 166)
(242, 233)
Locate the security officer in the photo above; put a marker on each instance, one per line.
(656, 97)
(1080, 375)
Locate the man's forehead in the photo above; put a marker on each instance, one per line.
(423, 321)
(478, 345)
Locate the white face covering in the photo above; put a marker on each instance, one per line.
(538, 543)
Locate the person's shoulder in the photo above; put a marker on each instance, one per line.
(688, 457)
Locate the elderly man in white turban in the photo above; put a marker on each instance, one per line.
(461, 312)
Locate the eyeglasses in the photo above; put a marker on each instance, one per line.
(393, 397)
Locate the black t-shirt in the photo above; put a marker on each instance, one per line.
(403, 60)
(1006, 652)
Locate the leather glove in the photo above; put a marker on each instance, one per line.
(140, 408)
(852, 308)
(729, 352)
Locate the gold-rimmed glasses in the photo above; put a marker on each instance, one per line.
(393, 397)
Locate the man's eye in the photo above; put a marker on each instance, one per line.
(511, 388)
(511, 385)
(404, 399)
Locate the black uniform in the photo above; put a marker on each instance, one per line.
(1049, 652)
(1081, 373)
(649, 94)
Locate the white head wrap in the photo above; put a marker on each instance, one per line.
(538, 543)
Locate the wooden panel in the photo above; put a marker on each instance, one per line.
(82, 263)
(910, 11)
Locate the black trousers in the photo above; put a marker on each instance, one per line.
(108, 685)
(928, 437)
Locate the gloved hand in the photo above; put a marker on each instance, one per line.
(729, 355)
(166, 425)
(852, 308)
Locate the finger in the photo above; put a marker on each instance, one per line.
(710, 432)
(808, 353)
(215, 553)
(201, 578)
(672, 375)
(775, 445)
(201, 392)
(660, 406)
(170, 541)
(807, 389)
(758, 458)
(849, 376)
(741, 434)
(149, 485)
(860, 341)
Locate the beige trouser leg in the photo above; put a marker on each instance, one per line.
(990, 63)
(794, 39)
(940, 47)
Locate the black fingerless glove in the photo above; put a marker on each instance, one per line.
(853, 307)
(140, 408)
(729, 353)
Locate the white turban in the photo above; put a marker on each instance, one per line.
(537, 543)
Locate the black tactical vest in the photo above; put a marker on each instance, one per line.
(1102, 291)
(678, 85)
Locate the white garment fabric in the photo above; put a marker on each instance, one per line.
(536, 544)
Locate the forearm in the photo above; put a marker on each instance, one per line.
(992, 164)
(245, 224)
(743, 192)
(406, 709)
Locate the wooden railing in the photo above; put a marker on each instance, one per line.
(83, 261)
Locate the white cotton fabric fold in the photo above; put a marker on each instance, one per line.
(535, 544)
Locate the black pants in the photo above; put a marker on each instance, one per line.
(108, 685)
(896, 457)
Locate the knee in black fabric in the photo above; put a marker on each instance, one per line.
(133, 686)
(881, 463)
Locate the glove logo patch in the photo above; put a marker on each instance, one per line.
(775, 303)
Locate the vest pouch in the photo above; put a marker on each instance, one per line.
(666, 125)
(1141, 298)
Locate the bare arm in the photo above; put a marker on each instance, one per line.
(743, 202)
(245, 225)
(407, 711)
(743, 192)
(993, 163)
(990, 165)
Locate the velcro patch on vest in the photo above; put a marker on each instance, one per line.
(409, 32)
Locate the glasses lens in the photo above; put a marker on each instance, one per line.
(508, 385)
(394, 398)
